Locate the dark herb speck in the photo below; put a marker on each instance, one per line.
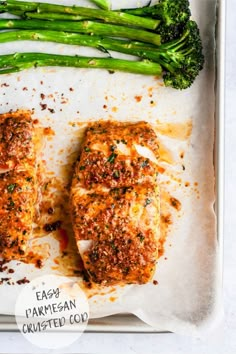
(11, 187)
(145, 163)
(116, 174)
(53, 226)
(112, 158)
(140, 236)
(147, 202)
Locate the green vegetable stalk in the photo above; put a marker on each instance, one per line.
(50, 16)
(88, 27)
(19, 61)
(104, 44)
(98, 14)
(103, 4)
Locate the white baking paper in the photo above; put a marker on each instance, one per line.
(187, 296)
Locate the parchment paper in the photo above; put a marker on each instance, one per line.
(187, 296)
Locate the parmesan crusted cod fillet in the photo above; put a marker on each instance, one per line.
(115, 203)
(18, 182)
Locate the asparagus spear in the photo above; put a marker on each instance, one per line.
(103, 4)
(20, 61)
(89, 27)
(128, 47)
(104, 15)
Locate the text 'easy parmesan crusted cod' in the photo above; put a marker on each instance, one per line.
(115, 203)
(18, 182)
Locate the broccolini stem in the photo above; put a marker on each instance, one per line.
(88, 27)
(103, 4)
(145, 11)
(12, 11)
(20, 61)
(102, 43)
(51, 16)
(104, 15)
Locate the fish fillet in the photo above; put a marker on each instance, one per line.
(18, 182)
(115, 203)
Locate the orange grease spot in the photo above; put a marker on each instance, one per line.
(180, 131)
(161, 169)
(150, 91)
(48, 131)
(113, 298)
(138, 98)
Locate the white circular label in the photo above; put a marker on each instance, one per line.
(52, 311)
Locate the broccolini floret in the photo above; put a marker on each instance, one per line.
(182, 58)
(174, 14)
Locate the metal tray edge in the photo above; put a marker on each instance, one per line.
(220, 120)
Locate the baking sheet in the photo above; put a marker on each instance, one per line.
(187, 295)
